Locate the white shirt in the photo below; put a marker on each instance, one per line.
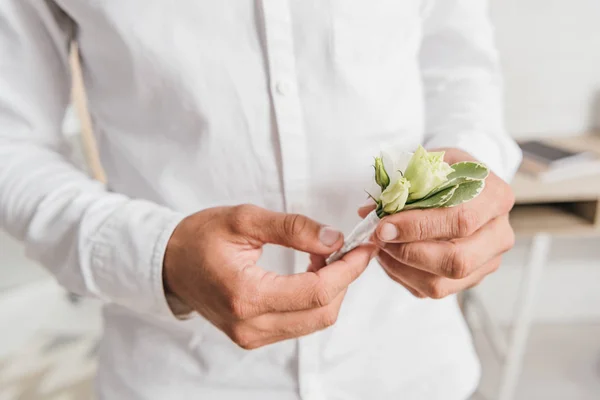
(279, 103)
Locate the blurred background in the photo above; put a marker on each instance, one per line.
(536, 322)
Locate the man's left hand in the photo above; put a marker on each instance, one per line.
(438, 252)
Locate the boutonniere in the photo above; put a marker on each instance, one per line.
(425, 181)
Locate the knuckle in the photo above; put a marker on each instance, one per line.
(496, 265)
(422, 228)
(415, 293)
(321, 296)
(510, 198)
(510, 239)
(436, 289)
(506, 197)
(252, 346)
(237, 307)
(241, 336)
(467, 222)
(294, 224)
(240, 217)
(456, 264)
(405, 253)
(329, 318)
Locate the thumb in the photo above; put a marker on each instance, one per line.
(291, 230)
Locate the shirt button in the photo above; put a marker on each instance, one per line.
(283, 88)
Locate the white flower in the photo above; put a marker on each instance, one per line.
(395, 195)
(392, 162)
(395, 163)
(426, 171)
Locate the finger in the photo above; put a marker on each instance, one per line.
(275, 327)
(438, 287)
(296, 231)
(387, 263)
(457, 258)
(316, 263)
(308, 290)
(366, 209)
(447, 223)
(490, 267)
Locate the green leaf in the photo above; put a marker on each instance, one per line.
(437, 200)
(469, 169)
(465, 171)
(465, 192)
(371, 197)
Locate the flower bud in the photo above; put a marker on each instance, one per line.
(395, 195)
(381, 176)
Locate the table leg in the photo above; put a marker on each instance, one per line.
(538, 254)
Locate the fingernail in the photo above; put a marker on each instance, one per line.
(329, 236)
(388, 232)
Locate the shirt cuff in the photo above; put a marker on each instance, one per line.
(126, 257)
(500, 153)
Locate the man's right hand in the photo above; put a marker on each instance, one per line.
(210, 265)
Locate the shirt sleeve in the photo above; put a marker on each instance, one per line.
(95, 242)
(463, 85)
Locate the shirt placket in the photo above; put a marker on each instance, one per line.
(283, 81)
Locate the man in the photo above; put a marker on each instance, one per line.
(225, 126)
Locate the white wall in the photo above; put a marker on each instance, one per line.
(551, 59)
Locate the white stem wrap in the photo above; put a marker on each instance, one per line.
(359, 235)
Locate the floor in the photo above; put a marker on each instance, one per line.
(562, 363)
(49, 352)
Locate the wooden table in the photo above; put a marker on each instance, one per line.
(570, 207)
(543, 210)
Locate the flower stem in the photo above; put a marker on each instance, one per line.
(380, 212)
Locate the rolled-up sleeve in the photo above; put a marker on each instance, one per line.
(463, 85)
(95, 242)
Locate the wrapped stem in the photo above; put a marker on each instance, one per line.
(359, 235)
